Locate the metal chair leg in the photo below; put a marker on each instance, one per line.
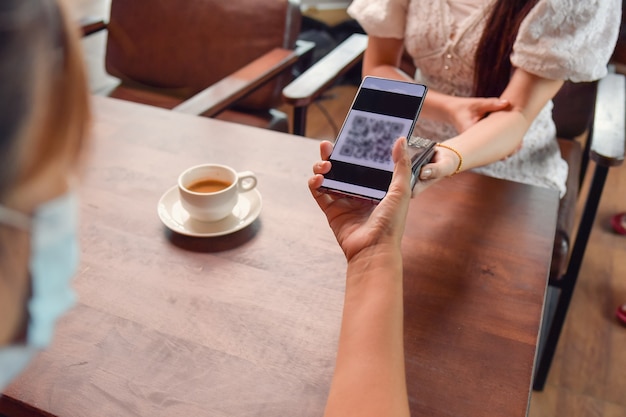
(570, 278)
(299, 120)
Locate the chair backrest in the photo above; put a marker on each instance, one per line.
(573, 113)
(186, 46)
(606, 147)
(574, 107)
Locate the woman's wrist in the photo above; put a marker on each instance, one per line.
(390, 71)
(437, 107)
(455, 155)
(378, 257)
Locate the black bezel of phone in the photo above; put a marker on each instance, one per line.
(370, 180)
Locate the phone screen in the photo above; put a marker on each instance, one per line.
(382, 111)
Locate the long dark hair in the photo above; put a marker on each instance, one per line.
(493, 65)
(43, 89)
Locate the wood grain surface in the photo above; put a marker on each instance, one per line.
(247, 324)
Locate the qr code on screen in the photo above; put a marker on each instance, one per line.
(370, 139)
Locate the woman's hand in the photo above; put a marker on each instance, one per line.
(464, 112)
(359, 224)
(444, 163)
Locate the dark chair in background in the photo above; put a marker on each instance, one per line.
(228, 59)
(322, 75)
(593, 111)
(598, 110)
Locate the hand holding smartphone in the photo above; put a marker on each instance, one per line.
(382, 111)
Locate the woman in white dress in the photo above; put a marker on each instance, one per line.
(557, 40)
(491, 90)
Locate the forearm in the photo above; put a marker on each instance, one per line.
(434, 107)
(434, 104)
(387, 71)
(500, 133)
(382, 58)
(369, 378)
(491, 139)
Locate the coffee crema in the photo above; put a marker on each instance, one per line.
(208, 185)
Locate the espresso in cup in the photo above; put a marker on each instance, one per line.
(209, 192)
(208, 186)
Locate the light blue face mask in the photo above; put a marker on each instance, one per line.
(53, 263)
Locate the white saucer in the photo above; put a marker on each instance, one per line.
(177, 219)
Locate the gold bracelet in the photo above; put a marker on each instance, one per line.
(458, 168)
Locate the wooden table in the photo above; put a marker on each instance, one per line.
(247, 324)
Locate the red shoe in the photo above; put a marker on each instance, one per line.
(621, 314)
(616, 223)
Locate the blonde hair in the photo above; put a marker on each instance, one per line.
(51, 91)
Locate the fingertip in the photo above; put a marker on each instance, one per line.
(426, 173)
(321, 167)
(400, 150)
(315, 182)
(326, 148)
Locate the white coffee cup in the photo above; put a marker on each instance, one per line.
(209, 192)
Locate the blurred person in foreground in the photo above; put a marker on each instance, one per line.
(44, 113)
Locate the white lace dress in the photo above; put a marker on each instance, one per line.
(559, 39)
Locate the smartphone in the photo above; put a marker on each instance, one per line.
(382, 111)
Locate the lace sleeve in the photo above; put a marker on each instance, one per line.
(381, 18)
(568, 39)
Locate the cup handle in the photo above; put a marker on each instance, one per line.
(246, 181)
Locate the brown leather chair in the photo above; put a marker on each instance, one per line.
(225, 59)
(595, 110)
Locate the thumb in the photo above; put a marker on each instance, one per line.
(433, 171)
(402, 168)
(495, 104)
